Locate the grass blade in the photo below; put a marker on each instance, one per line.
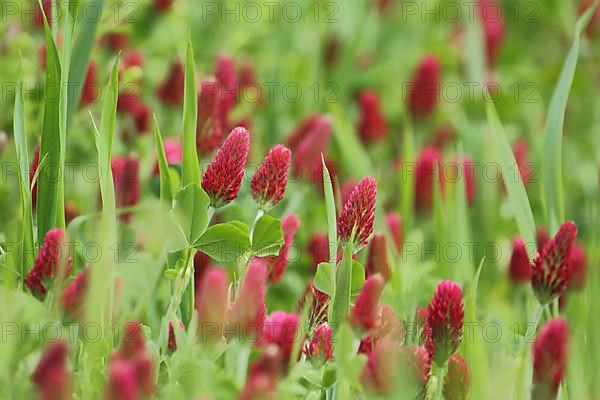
(331, 214)
(514, 185)
(190, 167)
(23, 160)
(166, 190)
(552, 180)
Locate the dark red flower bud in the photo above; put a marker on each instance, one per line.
(115, 40)
(133, 342)
(172, 341)
(247, 314)
(578, 267)
(551, 267)
(126, 177)
(320, 349)
(51, 375)
(73, 298)
(372, 125)
(492, 23)
(227, 77)
(428, 172)
(277, 264)
(308, 141)
(394, 224)
(163, 5)
(357, 218)
(549, 359)
(270, 179)
(444, 322)
(377, 261)
(423, 94)
(519, 268)
(53, 260)
(458, 379)
(223, 177)
(213, 299)
(212, 118)
(170, 92)
(281, 329)
(132, 58)
(318, 248)
(122, 381)
(263, 375)
(364, 313)
(89, 94)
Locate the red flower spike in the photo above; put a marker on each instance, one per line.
(115, 40)
(578, 267)
(126, 177)
(51, 375)
(364, 313)
(212, 304)
(281, 329)
(227, 77)
(358, 214)
(133, 58)
(372, 125)
(319, 305)
(223, 177)
(519, 268)
(549, 359)
(458, 379)
(133, 342)
(423, 93)
(318, 248)
(122, 381)
(263, 376)
(89, 94)
(444, 322)
(428, 172)
(73, 298)
(308, 141)
(492, 22)
(377, 261)
(163, 5)
(320, 349)
(394, 224)
(170, 92)
(278, 264)
(247, 314)
(551, 268)
(212, 120)
(53, 259)
(270, 179)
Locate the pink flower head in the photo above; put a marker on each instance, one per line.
(277, 264)
(308, 141)
(173, 153)
(212, 118)
(281, 329)
(319, 348)
(318, 248)
(73, 297)
(53, 259)
(364, 313)
(170, 92)
(357, 218)
(458, 379)
(223, 177)
(394, 224)
(247, 314)
(428, 172)
(521, 151)
(226, 75)
(551, 268)
(122, 381)
(549, 359)
(492, 22)
(578, 267)
(519, 268)
(89, 93)
(126, 177)
(423, 94)
(270, 179)
(444, 322)
(51, 375)
(372, 125)
(163, 5)
(263, 375)
(377, 261)
(212, 304)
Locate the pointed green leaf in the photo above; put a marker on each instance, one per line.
(224, 242)
(167, 191)
(323, 280)
(190, 211)
(267, 237)
(189, 164)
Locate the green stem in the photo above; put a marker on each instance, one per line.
(440, 383)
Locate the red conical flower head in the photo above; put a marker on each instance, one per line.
(358, 214)
(270, 179)
(423, 94)
(444, 322)
(519, 268)
(549, 359)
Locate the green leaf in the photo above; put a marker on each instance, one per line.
(20, 134)
(267, 237)
(357, 279)
(343, 288)
(82, 49)
(323, 280)
(189, 164)
(552, 180)
(167, 191)
(224, 242)
(514, 185)
(191, 211)
(331, 214)
(50, 181)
